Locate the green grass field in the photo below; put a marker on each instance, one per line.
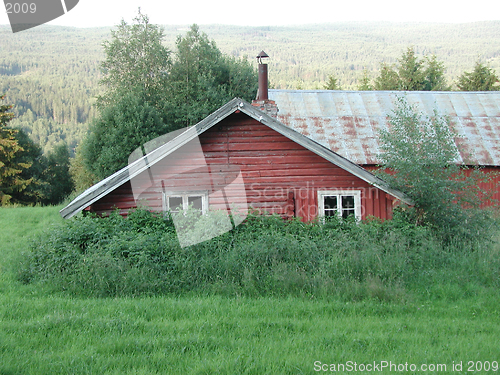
(44, 332)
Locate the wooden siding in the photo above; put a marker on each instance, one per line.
(280, 176)
(492, 187)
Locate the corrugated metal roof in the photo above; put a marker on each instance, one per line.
(348, 122)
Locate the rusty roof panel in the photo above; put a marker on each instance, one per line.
(491, 108)
(348, 122)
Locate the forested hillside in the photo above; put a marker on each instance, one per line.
(51, 74)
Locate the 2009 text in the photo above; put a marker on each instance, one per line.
(20, 8)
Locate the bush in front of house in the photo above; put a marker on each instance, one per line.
(263, 256)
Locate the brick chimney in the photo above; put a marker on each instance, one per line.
(262, 100)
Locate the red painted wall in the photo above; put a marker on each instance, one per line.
(492, 187)
(280, 176)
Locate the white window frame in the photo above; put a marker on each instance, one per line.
(185, 195)
(339, 194)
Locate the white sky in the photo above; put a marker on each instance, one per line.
(90, 13)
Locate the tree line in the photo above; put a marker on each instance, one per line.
(422, 74)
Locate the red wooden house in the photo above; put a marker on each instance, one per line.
(241, 157)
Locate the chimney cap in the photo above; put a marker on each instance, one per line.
(262, 55)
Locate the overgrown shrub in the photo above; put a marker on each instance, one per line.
(421, 154)
(265, 255)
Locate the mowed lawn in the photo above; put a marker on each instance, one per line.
(55, 333)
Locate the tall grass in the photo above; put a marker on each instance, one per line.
(391, 260)
(217, 335)
(18, 225)
(450, 317)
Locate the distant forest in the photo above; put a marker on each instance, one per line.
(51, 73)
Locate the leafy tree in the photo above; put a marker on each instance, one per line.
(412, 74)
(156, 96)
(121, 128)
(11, 168)
(56, 175)
(203, 79)
(135, 58)
(332, 83)
(482, 78)
(421, 155)
(133, 109)
(149, 94)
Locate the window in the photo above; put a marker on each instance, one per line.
(341, 203)
(177, 201)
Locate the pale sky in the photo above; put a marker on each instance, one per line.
(90, 13)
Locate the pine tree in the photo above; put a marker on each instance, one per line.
(56, 175)
(412, 74)
(365, 83)
(11, 180)
(434, 75)
(32, 155)
(388, 78)
(80, 175)
(332, 83)
(482, 78)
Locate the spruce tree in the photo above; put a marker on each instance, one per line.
(482, 78)
(365, 84)
(11, 181)
(412, 74)
(332, 83)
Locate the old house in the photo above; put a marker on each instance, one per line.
(276, 170)
(301, 154)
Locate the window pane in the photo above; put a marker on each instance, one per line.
(347, 206)
(330, 202)
(347, 213)
(195, 202)
(348, 201)
(331, 212)
(175, 204)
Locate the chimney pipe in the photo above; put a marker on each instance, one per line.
(263, 94)
(263, 83)
(262, 101)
